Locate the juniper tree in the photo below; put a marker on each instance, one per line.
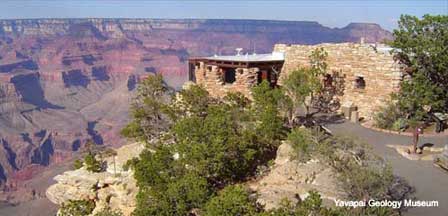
(421, 46)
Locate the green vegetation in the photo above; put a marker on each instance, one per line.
(77, 164)
(149, 117)
(213, 143)
(304, 84)
(90, 161)
(362, 174)
(92, 164)
(109, 212)
(390, 117)
(76, 208)
(232, 200)
(301, 141)
(210, 146)
(266, 114)
(421, 46)
(312, 87)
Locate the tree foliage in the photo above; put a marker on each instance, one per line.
(209, 146)
(266, 112)
(362, 174)
(421, 46)
(109, 212)
(211, 143)
(313, 87)
(301, 140)
(230, 201)
(149, 112)
(92, 164)
(77, 164)
(390, 117)
(76, 208)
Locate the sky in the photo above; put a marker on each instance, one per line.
(330, 13)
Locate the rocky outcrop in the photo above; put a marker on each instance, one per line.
(114, 188)
(292, 180)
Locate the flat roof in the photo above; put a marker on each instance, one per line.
(275, 56)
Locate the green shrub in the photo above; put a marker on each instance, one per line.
(400, 124)
(176, 197)
(109, 212)
(389, 117)
(365, 181)
(232, 200)
(92, 164)
(220, 142)
(266, 112)
(77, 208)
(77, 164)
(301, 141)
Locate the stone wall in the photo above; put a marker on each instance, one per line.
(382, 75)
(212, 78)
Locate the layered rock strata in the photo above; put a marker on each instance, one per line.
(115, 188)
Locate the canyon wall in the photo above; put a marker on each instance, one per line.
(66, 81)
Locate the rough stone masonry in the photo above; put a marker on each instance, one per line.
(370, 73)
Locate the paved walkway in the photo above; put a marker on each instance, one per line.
(431, 182)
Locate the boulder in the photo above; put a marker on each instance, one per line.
(114, 188)
(292, 180)
(284, 152)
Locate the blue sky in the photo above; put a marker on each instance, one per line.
(330, 13)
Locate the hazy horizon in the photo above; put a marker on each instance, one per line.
(328, 13)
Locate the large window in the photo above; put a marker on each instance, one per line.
(229, 75)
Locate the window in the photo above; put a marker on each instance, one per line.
(360, 83)
(328, 81)
(229, 75)
(263, 75)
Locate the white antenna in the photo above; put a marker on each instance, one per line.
(238, 51)
(255, 48)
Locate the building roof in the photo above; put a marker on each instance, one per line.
(274, 56)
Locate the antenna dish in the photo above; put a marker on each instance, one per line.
(238, 51)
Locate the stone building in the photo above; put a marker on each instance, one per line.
(369, 71)
(222, 74)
